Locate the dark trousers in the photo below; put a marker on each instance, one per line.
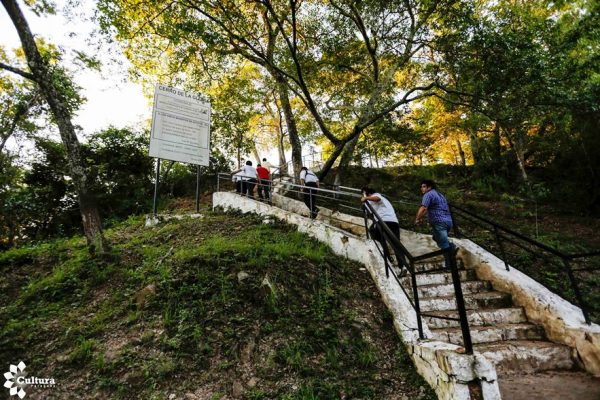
(376, 235)
(263, 189)
(248, 187)
(238, 187)
(310, 198)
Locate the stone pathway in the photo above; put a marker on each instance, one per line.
(553, 385)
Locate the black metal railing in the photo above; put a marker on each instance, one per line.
(332, 204)
(569, 275)
(407, 262)
(566, 274)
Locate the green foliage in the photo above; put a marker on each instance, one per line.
(83, 352)
(122, 171)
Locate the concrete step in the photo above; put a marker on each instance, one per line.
(473, 301)
(435, 264)
(490, 334)
(550, 385)
(512, 315)
(526, 356)
(468, 287)
(440, 278)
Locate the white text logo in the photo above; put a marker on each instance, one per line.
(17, 380)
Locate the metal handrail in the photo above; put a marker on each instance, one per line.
(323, 194)
(503, 234)
(388, 237)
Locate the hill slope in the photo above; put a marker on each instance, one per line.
(219, 307)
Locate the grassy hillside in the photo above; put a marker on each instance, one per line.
(213, 308)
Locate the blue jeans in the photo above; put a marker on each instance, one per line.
(440, 235)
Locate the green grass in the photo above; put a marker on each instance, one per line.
(168, 314)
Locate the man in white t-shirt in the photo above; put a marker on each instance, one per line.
(310, 181)
(249, 179)
(385, 210)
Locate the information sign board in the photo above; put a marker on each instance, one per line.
(180, 126)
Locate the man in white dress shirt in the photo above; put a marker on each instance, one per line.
(310, 181)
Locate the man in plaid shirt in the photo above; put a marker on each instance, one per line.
(438, 213)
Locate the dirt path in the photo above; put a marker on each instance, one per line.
(550, 386)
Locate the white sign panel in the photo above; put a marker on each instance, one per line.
(180, 126)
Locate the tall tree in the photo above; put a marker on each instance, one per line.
(43, 75)
(342, 59)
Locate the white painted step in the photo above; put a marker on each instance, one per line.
(441, 278)
(491, 316)
(468, 287)
(526, 356)
(473, 301)
(490, 334)
(436, 264)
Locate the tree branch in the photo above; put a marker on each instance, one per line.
(18, 71)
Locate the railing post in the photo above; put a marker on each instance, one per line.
(501, 245)
(460, 304)
(386, 253)
(413, 277)
(218, 181)
(575, 287)
(366, 222)
(310, 200)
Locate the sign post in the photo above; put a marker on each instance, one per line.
(180, 131)
(156, 182)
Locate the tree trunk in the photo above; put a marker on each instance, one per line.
(279, 131)
(496, 156)
(255, 153)
(290, 122)
(337, 150)
(461, 152)
(281, 149)
(475, 144)
(92, 224)
(345, 161)
(517, 146)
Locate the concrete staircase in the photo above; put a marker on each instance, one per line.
(499, 330)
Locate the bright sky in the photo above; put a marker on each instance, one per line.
(111, 98)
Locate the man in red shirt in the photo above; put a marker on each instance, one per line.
(264, 182)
